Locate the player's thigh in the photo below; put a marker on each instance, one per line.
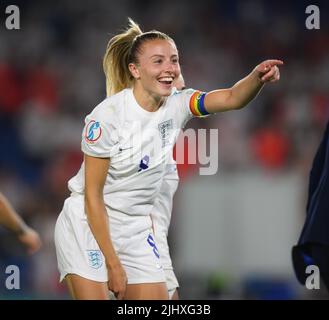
(147, 291)
(84, 289)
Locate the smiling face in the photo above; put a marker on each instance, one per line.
(157, 67)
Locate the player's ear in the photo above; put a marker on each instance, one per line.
(134, 70)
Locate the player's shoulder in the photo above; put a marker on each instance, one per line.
(180, 96)
(175, 91)
(181, 93)
(109, 108)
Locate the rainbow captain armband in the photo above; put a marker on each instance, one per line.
(197, 104)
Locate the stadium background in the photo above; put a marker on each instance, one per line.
(232, 232)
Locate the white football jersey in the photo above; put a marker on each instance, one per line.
(161, 215)
(139, 144)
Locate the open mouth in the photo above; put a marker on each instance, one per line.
(166, 80)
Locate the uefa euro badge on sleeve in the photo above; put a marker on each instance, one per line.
(93, 132)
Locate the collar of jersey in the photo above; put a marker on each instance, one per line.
(139, 108)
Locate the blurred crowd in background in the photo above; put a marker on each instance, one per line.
(51, 77)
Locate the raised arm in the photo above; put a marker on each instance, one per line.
(243, 91)
(95, 176)
(11, 220)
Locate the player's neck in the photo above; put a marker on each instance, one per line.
(147, 100)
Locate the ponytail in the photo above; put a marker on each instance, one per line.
(116, 59)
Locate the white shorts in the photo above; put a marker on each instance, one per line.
(78, 252)
(171, 280)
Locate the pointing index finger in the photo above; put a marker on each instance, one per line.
(274, 62)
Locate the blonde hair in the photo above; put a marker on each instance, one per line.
(121, 50)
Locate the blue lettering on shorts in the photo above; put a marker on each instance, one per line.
(151, 242)
(95, 258)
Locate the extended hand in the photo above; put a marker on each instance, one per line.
(268, 70)
(30, 238)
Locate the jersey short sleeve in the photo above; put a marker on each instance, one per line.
(191, 104)
(99, 136)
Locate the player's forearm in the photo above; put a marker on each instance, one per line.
(245, 90)
(9, 218)
(235, 97)
(99, 225)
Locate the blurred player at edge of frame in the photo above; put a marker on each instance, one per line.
(11, 220)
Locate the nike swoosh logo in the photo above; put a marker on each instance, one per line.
(121, 149)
